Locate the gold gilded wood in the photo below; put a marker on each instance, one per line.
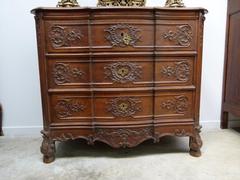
(68, 3)
(134, 3)
(174, 3)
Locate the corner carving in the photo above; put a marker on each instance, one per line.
(124, 106)
(183, 36)
(63, 73)
(67, 107)
(63, 37)
(178, 104)
(122, 35)
(181, 71)
(48, 148)
(123, 72)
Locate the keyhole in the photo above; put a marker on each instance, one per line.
(123, 106)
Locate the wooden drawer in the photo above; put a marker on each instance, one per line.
(176, 35)
(174, 106)
(123, 107)
(70, 108)
(68, 73)
(174, 71)
(67, 36)
(122, 35)
(123, 72)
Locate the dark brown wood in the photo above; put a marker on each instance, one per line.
(120, 75)
(231, 85)
(1, 118)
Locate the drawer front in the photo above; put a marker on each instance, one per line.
(176, 35)
(122, 35)
(67, 36)
(174, 71)
(69, 108)
(123, 107)
(123, 72)
(174, 106)
(70, 73)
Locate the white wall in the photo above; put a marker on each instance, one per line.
(19, 79)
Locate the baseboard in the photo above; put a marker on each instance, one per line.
(34, 131)
(30, 131)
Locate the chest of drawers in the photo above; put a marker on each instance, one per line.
(119, 75)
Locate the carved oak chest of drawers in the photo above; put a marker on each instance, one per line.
(119, 75)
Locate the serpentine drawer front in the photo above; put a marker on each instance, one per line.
(119, 75)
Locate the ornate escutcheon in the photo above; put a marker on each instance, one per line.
(124, 106)
(122, 35)
(183, 36)
(123, 72)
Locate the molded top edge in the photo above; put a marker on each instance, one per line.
(39, 9)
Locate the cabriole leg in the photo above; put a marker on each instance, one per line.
(195, 143)
(48, 148)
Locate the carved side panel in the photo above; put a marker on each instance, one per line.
(63, 73)
(66, 36)
(122, 35)
(174, 106)
(61, 36)
(180, 71)
(182, 36)
(123, 137)
(67, 107)
(123, 72)
(177, 104)
(124, 106)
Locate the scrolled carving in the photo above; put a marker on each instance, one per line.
(124, 106)
(123, 72)
(136, 3)
(123, 137)
(181, 71)
(183, 36)
(62, 36)
(178, 104)
(122, 35)
(62, 73)
(66, 107)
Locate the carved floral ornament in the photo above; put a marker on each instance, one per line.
(182, 36)
(67, 107)
(181, 71)
(63, 73)
(178, 104)
(135, 3)
(123, 72)
(63, 36)
(123, 35)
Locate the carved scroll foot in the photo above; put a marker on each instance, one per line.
(48, 148)
(195, 143)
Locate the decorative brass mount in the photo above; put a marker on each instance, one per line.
(174, 3)
(134, 3)
(68, 3)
